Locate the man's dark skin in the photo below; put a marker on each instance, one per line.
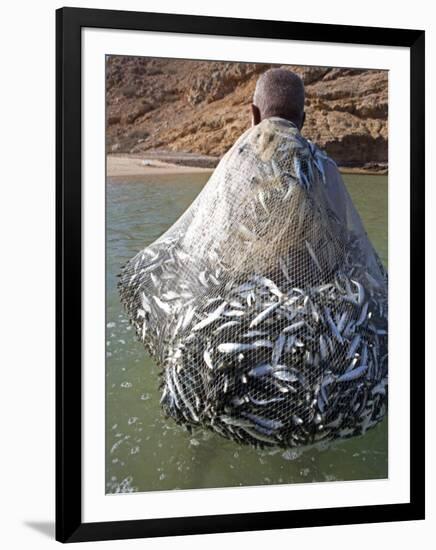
(279, 93)
(256, 117)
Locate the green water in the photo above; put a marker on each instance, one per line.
(145, 451)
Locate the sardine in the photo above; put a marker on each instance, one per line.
(233, 421)
(360, 292)
(363, 315)
(294, 326)
(264, 314)
(263, 402)
(332, 325)
(208, 359)
(278, 349)
(162, 305)
(353, 374)
(353, 346)
(264, 422)
(260, 370)
(231, 347)
(214, 316)
(323, 348)
(225, 326)
(254, 333)
(285, 376)
(313, 255)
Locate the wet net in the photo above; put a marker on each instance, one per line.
(265, 304)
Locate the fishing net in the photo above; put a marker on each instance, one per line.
(265, 304)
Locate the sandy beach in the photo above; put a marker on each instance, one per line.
(118, 166)
(134, 165)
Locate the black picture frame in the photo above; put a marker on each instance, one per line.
(69, 525)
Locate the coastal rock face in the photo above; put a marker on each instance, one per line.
(202, 107)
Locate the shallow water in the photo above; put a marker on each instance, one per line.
(145, 451)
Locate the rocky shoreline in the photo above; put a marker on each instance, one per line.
(185, 108)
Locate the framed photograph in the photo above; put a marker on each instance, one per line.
(240, 274)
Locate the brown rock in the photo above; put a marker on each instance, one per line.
(202, 107)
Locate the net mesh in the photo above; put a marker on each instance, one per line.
(265, 304)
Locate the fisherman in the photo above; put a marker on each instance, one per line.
(280, 93)
(265, 303)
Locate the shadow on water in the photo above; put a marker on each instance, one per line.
(146, 451)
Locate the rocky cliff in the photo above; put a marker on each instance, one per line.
(202, 107)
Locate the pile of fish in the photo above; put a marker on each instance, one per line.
(265, 308)
(262, 363)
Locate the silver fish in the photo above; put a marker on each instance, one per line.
(184, 398)
(202, 279)
(233, 421)
(332, 325)
(278, 349)
(285, 376)
(170, 295)
(260, 370)
(234, 313)
(360, 292)
(353, 374)
(323, 348)
(225, 326)
(264, 422)
(353, 346)
(164, 307)
(208, 359)
(363, 315)
(233, 347)
(145, 303)
(262, 402)
(313, 255)
(341, 323)
(270, 285)
(214, 316)
(264, 314)
(189, 315)
(254, 333)
(290, 343)
(294, 326)
(297, 420)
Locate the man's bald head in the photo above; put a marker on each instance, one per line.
(279, 92)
